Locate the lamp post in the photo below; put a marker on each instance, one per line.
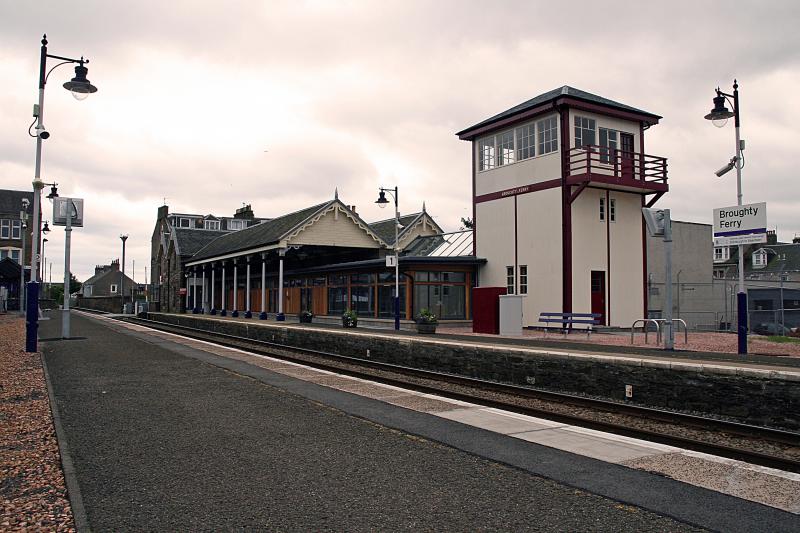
(43, 265)
(382, 202)
(80, 88)
(719, 117)
(122, 273)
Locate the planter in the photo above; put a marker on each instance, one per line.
(426, 328)
(348, 322)
(305, 319)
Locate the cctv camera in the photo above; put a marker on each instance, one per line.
(727, 168)
(44, 134)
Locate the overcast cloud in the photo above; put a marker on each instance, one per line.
(212, 104)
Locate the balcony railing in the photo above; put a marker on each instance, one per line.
(614, 165)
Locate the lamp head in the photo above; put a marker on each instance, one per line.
(53, 192)
(382, 201)
(720, 114)
(46, 228)
(79, 86)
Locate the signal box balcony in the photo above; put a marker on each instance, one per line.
(617, 169)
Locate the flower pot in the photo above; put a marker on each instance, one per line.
(426, 328)
(348, 322)
(305, 319)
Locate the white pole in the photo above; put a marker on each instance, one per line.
(67, 243)
(280, 285)
(187, 292)
(669, 331)
(263, 285)
(194, 289)
(222, 288)
(205, 294)
(235, 288)
(213, 288)
(247, 298)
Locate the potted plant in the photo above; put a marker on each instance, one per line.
(350, 319)
(426, 321)
(305, 317)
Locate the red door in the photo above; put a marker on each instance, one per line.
(599, 295)
(626, 162)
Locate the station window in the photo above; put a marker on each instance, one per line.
(612, 210)
(510, 279)
(505, 148)
(523, 279)
(584, 131)
(548, 135)
(602, 209)
(608, 142)
(526, 138)
(518, 144)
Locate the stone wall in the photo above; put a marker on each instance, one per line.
(109, 304)
(748, 395)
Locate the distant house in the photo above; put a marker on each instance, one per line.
(106, 282)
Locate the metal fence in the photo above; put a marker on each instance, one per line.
(773, 310)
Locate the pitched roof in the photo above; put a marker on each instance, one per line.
(453, 244)
(11, 201)
(9, 269)
(190, 241)
(263, 234)
(385, 228)
(549, 96)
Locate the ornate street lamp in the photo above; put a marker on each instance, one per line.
(719, 116)
(80, 87)
(383, 202)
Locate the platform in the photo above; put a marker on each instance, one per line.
(169, 433)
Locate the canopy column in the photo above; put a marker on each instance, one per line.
(224, 294)
(248, 313)
(188, 292)
(263, 315)
(213, 289)
(204, 300)
(280, 317)
(235, 291)
(194, 290)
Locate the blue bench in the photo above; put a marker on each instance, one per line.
(568, 319)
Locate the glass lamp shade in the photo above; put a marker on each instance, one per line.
(719, 122)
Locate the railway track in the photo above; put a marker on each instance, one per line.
(769, 447)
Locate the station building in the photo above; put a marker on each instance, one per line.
(330, 260)
(558, 183)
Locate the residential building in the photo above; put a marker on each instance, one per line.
(558, 183)
(108, 281)
(16, 236)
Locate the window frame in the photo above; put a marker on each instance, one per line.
(510, 280)
(188, 221)
(16, 229)
(527, 141)
(112, 288)
(612, 210)
(608, 148)
(583, 125)
(5, 228)
(207, 223)
(523, 279)
(602, 209)
(239, 222)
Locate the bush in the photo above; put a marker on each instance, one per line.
(425, 316)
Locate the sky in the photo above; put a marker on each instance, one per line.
(213, 104)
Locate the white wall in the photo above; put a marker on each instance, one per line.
(494, 223)
(627, 256)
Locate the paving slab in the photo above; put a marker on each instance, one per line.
(165, 436)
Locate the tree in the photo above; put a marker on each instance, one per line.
(57, 291)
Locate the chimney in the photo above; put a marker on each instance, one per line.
(772, 237)
(245, 212)
(163, 211)
(353, 209)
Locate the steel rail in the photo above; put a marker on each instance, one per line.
(648, 413)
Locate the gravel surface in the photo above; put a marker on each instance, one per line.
(166, 442)
(31, 481)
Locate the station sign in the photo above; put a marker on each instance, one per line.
(740, 224)
(75, 206)
(391, 261)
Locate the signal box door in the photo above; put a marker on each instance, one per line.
(599, 295)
